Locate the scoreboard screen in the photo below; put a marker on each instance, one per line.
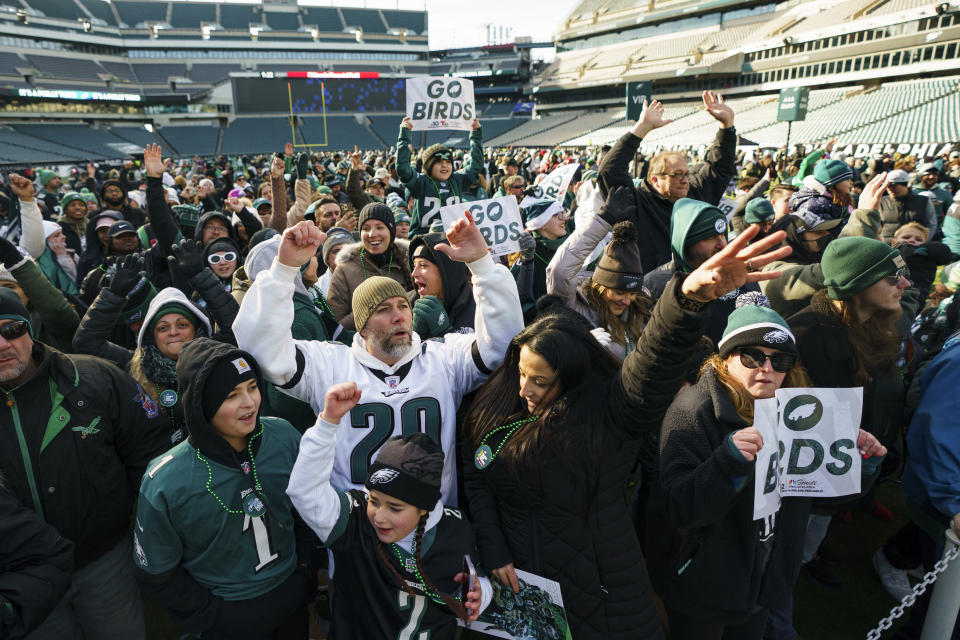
(342, 95)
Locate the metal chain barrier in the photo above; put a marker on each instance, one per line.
(918, 590)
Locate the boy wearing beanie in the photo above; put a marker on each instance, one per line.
(407, 384)
(439, 185)
(202, 502)
(698, 230)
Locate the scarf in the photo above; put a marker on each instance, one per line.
(547, 243)
(158, 367)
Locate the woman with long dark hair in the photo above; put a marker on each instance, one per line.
(554, 433)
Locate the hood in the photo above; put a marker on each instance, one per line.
(453, 274)
(260, 259)
(686, 212)
(197, 359)
(198, 232)
(165, 296)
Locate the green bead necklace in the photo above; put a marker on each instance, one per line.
(319, 300)
(413, 567)
(252, 504)
(484, 456)
(363, 267)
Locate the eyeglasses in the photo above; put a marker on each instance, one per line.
(894, 279)
(217, 258)
(676, 174)
(14, 330)
(753, 358)
(518, 187)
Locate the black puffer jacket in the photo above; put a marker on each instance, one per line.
(706, 555)
(708, 182)
(35, 567)
(88, 431)
(566, 518)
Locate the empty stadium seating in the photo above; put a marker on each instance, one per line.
(192, 139)
(134, 13)
(190, 15)
(369, 21)
(410, 20)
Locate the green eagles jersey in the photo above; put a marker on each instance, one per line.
(234, 555)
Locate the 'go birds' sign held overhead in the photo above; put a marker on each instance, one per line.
(440, 103)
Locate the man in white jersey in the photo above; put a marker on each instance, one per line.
(407, 385)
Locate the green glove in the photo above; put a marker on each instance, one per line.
(430, 319)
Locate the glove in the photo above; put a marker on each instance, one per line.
(602, 336)
(620, 205)
(528, 247)
(303, 165)
(430, 319)
(129, 272)
(187, 258)
(10, 256)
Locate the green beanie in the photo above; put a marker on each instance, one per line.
(259, 202)
(830, 172)
(759, 210)
(173, 307)
(369, 294)
(401, 216)
(851, 265)
(87, 196)
(46, 176)
(324, 189)
(693, 221)
(73, 196)
(756, 326)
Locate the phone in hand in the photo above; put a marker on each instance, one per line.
(470, 573)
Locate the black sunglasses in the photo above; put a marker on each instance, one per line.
(14, 330)
(894, 278)
(753, 358)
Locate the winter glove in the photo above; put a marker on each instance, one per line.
(528, 247)
(187, 258)
(129, 272)
(10, 256)
(602, 336)
(620, 205)
(303, 166)
(430, 319)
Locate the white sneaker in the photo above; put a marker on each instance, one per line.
(894, 580)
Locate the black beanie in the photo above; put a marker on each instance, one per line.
(408, 468)
(11, 308)
(620, 266)
(381, 212)
(225, 375)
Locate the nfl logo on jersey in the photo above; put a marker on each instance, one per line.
(393, 381)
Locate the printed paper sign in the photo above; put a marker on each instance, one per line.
(498, 219)
(440, 103)
(536, 612)
(816, 454)
(728, 206)
(554, 186)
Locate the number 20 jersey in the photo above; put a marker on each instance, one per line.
(418, 394)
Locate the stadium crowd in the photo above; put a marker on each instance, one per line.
(225, 376)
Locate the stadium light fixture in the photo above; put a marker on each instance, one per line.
(85, 24)
(22, 16)
(946, 7)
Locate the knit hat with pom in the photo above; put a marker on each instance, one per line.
(620, 266)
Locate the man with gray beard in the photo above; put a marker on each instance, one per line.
(76, 434)
(408, 385)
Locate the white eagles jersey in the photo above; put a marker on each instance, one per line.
(421, 392)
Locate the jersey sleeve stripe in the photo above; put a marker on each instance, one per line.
(342, 520)
(301, 365)
(478, 361)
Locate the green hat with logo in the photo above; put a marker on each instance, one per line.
(759, 210)
(853, 264)
(87, 196)
(259, 202)
(756, 326)
(73, 196)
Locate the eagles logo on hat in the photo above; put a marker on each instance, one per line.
(383, 476)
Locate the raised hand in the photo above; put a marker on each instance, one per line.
(735, 265)
(873, 191)
(153, 161)
(716, 107)
(91, 170)
(829, 146)
(187, 257)
(475, 124)
(650, 118)
(234, 204)
(340, 399)
(356, 160)
(348, 221)
(277, 167)
(466, 243)
(129, 272)
(21, 187)
(407, 123)
(288, 149)
(528, 248)
(299, 243)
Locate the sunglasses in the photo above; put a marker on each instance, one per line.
(217, 258)
(14, 330)
(894, 279)
(753, 358)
